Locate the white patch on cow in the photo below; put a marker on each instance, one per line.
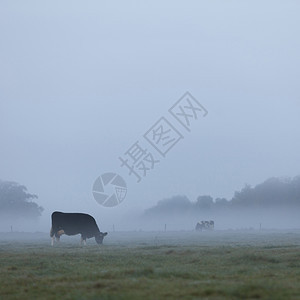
(61, 232)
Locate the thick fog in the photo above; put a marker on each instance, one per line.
(81, 82)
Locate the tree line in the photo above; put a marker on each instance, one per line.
(15, 201)
(274, 192)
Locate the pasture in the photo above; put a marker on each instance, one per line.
(152, 265)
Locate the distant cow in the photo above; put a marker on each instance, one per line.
(75, 223)
(205, 225)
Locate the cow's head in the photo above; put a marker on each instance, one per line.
(100, 236)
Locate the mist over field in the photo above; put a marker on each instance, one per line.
(81, 84)
(273, 204)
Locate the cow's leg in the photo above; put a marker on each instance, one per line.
(52, 235)
(55, 233)
(83, 240)
(59, 234)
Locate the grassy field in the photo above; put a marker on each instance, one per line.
(152, 265)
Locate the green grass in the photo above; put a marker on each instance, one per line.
(153, 266)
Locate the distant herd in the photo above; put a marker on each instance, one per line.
(86, 226)
(205, 225)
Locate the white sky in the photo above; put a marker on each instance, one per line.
(81, 81)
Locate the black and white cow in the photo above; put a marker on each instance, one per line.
(205, 225)
(75, 223)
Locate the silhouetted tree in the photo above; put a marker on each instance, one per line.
(243, 198)
(204, 202)
(272, 192)
(16, 201)
(221, 203)
(174, 205)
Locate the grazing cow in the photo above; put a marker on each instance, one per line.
(75, 223)
(205, 225)
(199, 227)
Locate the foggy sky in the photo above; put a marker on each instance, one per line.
(81, 81)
